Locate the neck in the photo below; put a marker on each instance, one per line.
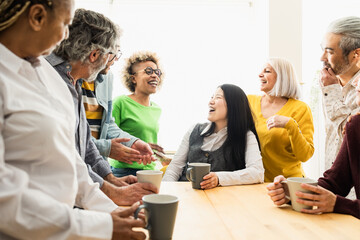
(16, 39)
(346, 77)
(273, 99)
(78, 70)
(220, 125)
(143, 99)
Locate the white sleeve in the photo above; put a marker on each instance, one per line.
(89, 195)
(174, 170)
(253, 171)
(31, 214)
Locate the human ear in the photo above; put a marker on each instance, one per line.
(37, 16)
(94, 55)
(357, 53)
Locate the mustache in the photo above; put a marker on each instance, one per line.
(326, 65)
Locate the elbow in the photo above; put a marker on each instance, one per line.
(309, 153)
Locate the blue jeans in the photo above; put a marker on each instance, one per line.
(122, 172)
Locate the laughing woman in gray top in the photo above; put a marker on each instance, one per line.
(229, 143)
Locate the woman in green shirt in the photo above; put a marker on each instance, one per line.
(135, 113)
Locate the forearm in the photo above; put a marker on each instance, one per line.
(89, 194)
(249, 175)
(98, 164)
(347, 206)
(301, 139)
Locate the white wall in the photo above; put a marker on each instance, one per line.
(202, 44)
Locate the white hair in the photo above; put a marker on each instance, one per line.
(286, 84)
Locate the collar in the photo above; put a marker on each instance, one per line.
(11, 61)
(352, 79)
(208, 127)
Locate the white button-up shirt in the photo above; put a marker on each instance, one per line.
(41, 174)
(252, 173)
(338, 104)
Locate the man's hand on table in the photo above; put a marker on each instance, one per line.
(123, 222)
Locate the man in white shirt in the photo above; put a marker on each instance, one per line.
(341, 58)
(41, 174)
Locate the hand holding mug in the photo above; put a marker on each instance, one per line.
(211, 180)
(123, 223)
(276, 191)
(322, 198)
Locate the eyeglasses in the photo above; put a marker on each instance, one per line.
(116, 56)
(150, 70)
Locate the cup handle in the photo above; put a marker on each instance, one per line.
(286, 189)
(188, 174)
(136, 214)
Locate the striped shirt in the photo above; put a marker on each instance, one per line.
(92, 108)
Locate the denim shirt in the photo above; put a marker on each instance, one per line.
(108, 128)
(98, 167)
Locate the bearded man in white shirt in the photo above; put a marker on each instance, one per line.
(91, 42)
(41, 174)
(341, 59)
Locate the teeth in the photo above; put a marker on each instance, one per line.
(153, 83)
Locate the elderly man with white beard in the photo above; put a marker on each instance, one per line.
(92, 40)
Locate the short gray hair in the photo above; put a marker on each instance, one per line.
(349, 29)
(89, 31)
(286, 84)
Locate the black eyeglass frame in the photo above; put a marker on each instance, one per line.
(116, 56)
(150, 70)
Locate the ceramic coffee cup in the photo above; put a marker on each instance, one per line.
(160, 214)
(196, 172)
(150, 176)
(293, 185)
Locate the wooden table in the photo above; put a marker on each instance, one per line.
(246, 212)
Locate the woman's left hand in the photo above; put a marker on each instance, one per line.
(211, 180)
(277, 121)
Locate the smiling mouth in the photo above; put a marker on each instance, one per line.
(153, 83)
(263, 81)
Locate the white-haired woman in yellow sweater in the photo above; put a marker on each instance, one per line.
(284, 123)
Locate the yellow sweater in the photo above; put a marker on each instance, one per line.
(283, 149)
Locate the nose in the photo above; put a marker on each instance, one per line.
(323, 57)
(211, 102)
(261, 74)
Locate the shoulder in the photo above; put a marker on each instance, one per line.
(154, 105)
(298, 105)
(253, 98)
(120, 99)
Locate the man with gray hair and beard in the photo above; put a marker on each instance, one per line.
(92, 40)
(341, 59)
